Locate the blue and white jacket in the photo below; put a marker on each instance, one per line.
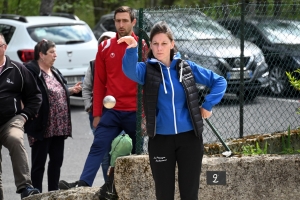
(172, 112)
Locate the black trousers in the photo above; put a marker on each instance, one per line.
(53, 146)
(165, 151)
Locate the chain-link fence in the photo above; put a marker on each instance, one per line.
(252, 46)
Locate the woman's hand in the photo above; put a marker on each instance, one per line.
(129, 40)
(205, 113)
(76, 88)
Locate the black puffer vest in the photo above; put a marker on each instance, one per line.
(150, 95)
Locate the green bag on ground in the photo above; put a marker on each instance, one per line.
(120, 146)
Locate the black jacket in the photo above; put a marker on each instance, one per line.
(37, 127)
(150, 95)
(16, 84)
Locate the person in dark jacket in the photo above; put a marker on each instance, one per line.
(47, 133)
(173, 117)
(20, 100)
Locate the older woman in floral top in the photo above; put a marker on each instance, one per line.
(47, 133)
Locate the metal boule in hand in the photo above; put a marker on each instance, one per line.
(109, 101)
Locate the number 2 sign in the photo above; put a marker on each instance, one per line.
(216, 177)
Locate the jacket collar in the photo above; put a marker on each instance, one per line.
(33, 66)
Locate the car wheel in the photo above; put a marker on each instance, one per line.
(278, 81)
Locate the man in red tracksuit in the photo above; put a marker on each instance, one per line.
(109, 79)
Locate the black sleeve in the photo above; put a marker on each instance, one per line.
(31, 94)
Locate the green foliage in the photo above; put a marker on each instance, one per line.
(286, 144)
(255, 150)
(294, 82)
(28, 7)
(89, 11)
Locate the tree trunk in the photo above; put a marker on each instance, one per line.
(262, 7)
(294, 8)
(277, 8)
(167, 2)
(98, 10)
(46, 7)
(203, 2)
(225, 9)
(103, 7)
(150, 3)
(5, 7)
(250, 7)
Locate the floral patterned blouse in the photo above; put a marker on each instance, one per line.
(59, 119)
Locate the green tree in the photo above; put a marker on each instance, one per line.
(91, 10)
(5, 6)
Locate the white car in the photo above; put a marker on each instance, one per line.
(75, 43)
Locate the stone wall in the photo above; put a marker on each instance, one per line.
(81, 193)
(249, 177)
(269, 177)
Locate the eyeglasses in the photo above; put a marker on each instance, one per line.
(2, 45)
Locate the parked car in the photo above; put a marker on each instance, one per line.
(204, 41)
(75, 43)
(106, 23)
(280, 43)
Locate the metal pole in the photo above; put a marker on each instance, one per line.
(242, 65)
(139, 137)
(218, 135)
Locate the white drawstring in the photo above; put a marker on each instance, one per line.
(181, 68)
(163, 79)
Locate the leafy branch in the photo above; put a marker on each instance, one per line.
(292, 79)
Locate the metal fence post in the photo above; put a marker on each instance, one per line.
(242, 64)
(139, 137)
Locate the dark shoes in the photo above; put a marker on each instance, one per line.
(64, 185)
(28, 191)
(108, 190)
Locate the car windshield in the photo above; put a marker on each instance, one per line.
(63, 34)
(281, 32)
(187, 26)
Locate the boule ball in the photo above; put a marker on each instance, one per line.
(109, 101)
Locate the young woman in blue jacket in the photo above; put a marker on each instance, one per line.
(174, 120)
